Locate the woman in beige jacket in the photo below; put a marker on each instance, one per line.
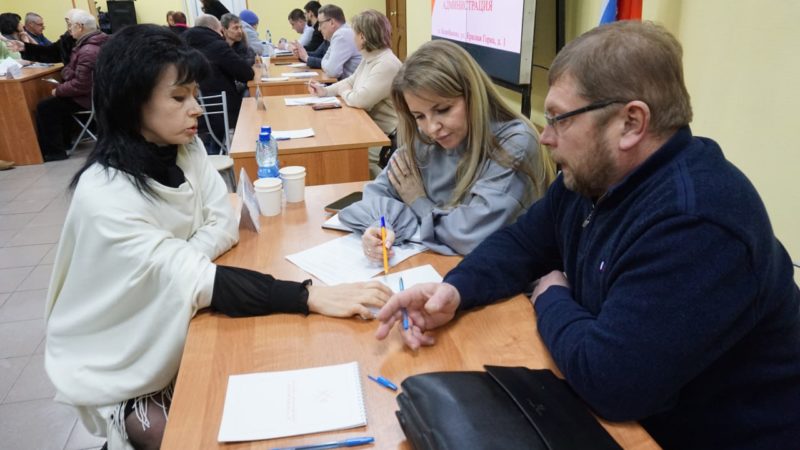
(369, 87)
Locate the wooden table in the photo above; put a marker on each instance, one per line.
(18, 100)
(218, 346)
(292, 86)
(336, 153)
(285, 58)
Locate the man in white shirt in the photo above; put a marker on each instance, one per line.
(342, 57)
(297, 20)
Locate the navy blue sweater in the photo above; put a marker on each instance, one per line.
(682, 312)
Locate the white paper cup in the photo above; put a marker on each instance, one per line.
(268, 193)
(294, 181)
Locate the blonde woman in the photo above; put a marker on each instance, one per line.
(466, 165)
(369, 87)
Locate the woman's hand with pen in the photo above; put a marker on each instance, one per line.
(429, 306)
(317, 89)
(371, 243)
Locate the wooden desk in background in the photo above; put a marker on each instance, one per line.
(337, 153)
(18, 100)
(219, 346)
(292, 86)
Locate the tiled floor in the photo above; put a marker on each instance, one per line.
(33, 204)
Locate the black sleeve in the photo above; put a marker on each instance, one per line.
(231, 63)
(241, 293)
(43, 53)
(316, 41)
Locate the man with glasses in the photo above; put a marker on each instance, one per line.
(341, 57)
(58, 51)
(663, 295)
(34, 26)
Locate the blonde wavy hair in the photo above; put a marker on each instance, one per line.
(443, 68)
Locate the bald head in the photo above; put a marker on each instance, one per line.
(208, 21)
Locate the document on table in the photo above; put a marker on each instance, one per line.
(342, 260)
(281, 52)
(333, 223)
(269, 405)
(301, 101)
(298, 64)
(411, 277)
(293, 134)
(307, 74)
(268, 79)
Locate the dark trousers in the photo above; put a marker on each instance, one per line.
(54, 126)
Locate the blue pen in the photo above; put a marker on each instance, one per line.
(383, 382)
(352, 442)
(405, 311)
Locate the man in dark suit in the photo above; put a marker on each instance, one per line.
(226, 68)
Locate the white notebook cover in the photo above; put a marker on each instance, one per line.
(269, 405)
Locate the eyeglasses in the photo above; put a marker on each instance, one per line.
(552, 121)
(323, 21)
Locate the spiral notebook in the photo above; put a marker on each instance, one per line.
(269, 405)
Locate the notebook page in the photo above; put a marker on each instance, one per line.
(269, 405)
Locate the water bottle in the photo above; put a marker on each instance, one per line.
(267, 154)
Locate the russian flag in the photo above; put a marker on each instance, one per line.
(620, 10)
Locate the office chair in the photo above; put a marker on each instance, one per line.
(217, 104)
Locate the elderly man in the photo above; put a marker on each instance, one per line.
(663, 294)
(342, 56)
(227, 68)
(58, 51)
(250, 27)
(34, 26)
(53, 121)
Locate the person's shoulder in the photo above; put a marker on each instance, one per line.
(516, 136)
(100, 189)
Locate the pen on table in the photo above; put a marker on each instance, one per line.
(383, 382)
(383, 247)
(352, 442)
(405, 311)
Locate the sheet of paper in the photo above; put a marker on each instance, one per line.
(298, 64)
(292, 134)
(281, 52)
(411, 277)
(268, 79)
(342, 260)
(300, 74)
(268, 405)
(333, 223)
(301, 101)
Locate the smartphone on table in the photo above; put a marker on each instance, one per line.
(343, 202)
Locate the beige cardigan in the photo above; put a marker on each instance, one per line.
(369, 87)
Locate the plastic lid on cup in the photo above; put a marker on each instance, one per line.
(291, 172)
(268, 184)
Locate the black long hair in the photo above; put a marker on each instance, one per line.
(128, 69)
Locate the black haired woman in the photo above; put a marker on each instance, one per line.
(148, 215)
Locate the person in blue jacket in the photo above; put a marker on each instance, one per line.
(663, 294)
